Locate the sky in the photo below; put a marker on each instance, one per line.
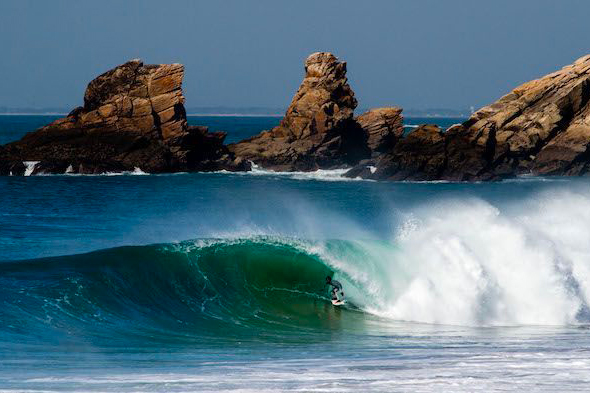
(417, 54)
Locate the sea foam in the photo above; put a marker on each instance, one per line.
(467, 262)
(30, 167)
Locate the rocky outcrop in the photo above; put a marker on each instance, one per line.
(318, 130)
(138, 98)
(421, 155)
(383, 127)
(133, 117)
(541, 127)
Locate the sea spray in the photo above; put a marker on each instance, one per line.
(467, 262)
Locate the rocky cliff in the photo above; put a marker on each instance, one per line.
(133, 117)
(318, 130)
(542, 127)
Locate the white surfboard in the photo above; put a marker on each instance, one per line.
(337, 302)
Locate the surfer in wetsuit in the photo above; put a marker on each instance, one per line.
(336, 287)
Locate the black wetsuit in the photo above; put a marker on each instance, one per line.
(336, 287)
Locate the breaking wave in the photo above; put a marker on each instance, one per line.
(462, 261)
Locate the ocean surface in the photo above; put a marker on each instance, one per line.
(215, 281)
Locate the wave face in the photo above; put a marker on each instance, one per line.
(207, 287)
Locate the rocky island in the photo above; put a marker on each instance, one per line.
(542, 128)
(319, 130)
(134, 117)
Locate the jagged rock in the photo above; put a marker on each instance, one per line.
(567, 153)
(318, 130)
(541, 127)
(383, 126)
(133, 117)
(419, 156)
(136, 97)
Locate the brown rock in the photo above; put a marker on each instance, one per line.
(419, 156)
(133, 116)
(318, 130)
(383, 126)
(133, 97)
(541, 127)
(567, 153)
(468, 154)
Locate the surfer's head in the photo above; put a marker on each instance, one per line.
(328, 279)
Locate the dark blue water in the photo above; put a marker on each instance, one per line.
(208, 282)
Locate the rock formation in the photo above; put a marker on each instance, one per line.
(542, 127)
(421, 152)
(420, 155)
(133, 117)
(383, 126)
(137, 98)
(318, 130)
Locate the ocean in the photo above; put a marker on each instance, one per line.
(215, 281)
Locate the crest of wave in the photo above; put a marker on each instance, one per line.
(467, 262)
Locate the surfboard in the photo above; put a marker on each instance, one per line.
(337, 302)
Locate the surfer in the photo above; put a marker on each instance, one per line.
(336, 287)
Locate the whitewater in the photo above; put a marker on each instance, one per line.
(215, 282)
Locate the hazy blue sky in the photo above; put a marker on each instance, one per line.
(413, 53)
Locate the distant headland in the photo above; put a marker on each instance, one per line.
(134, 116)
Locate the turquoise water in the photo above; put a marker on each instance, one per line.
(209, 282)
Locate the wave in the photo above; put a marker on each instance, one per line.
(462, 261)
(466, 261)
(199, 287)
